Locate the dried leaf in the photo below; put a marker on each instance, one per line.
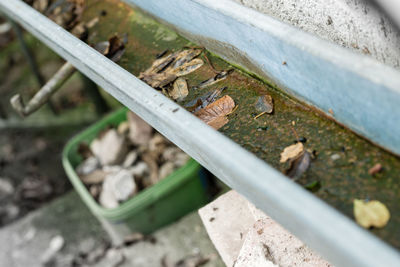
(179, 90)
(219, 77)
(165, 70)
(292, 152)
(375, 169)
(185, 56)
(204, 100)
(371, 213)
(265, 104)
(299, 166)
(188, 67)
(212, 113)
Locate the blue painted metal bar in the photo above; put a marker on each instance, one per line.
(354, 89)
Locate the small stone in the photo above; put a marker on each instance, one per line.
(130, 159)
(117, 187)
(95, 177)
(139, 169)
(169, 153)
(123, 185)
(181, 159)
(123, 128)
(165, 170)
(6, 187)
(56, 243)
(335, 157)
(110, 149)
(139, 131)
(157, 142)
(87, 166)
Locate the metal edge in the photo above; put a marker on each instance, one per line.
(327, 231)
(354, 89)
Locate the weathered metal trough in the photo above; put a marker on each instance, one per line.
(354, 90)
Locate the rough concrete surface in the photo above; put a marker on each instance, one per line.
(25, 242)
(355, 24)
(246, 236)
(227, 220)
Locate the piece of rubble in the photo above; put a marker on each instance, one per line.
(87, 166)
(139, 131)
(95, 177)
(123, 128)
(130, 159)
(111, 148)
(165, 170)
(55, 245)
(117, 187)
(181, 159)
(169, 153)
(6, 188)
(139, 169)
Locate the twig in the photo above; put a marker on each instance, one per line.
(295, 133)
(44, 94)
(259, 115)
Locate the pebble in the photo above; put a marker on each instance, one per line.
(110, 149)
(87, 166)
(139, 131)
(165, 170)
(335, 157)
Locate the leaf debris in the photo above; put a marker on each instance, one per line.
(292, 152)
(371, 214)
(215, 113)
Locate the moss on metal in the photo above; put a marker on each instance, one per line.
(342, 177)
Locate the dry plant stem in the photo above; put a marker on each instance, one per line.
(44, 94)
(294, 132)
(259, 115)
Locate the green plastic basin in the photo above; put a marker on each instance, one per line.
(178, 194)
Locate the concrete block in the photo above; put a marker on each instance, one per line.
(227, 220)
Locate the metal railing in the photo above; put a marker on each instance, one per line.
(327, 231)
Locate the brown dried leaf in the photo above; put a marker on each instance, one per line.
(204, 100)
(371, 213)
(299, 166)
(292, 152)
(179, 90)
(188, 67)
(212, 113)
(265, 104)
(375, 169)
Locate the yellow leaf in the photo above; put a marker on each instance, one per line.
(371, 213)
(292, 152)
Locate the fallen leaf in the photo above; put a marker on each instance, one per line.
(292, 152)
(299, 165)
(218, 77)
(375, 169)
(166, 69)
(371, 213)
(204, 100)
(214, 113)
(179, 90)
(265, 104)
(188, 67)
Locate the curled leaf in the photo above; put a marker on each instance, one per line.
(292, 152)
(218, 77)
(204, 100)
(265, 104)
(371, 213)
(179, 89)
(166, 69)
(188, 67)
(215, 113)
(299, 165)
